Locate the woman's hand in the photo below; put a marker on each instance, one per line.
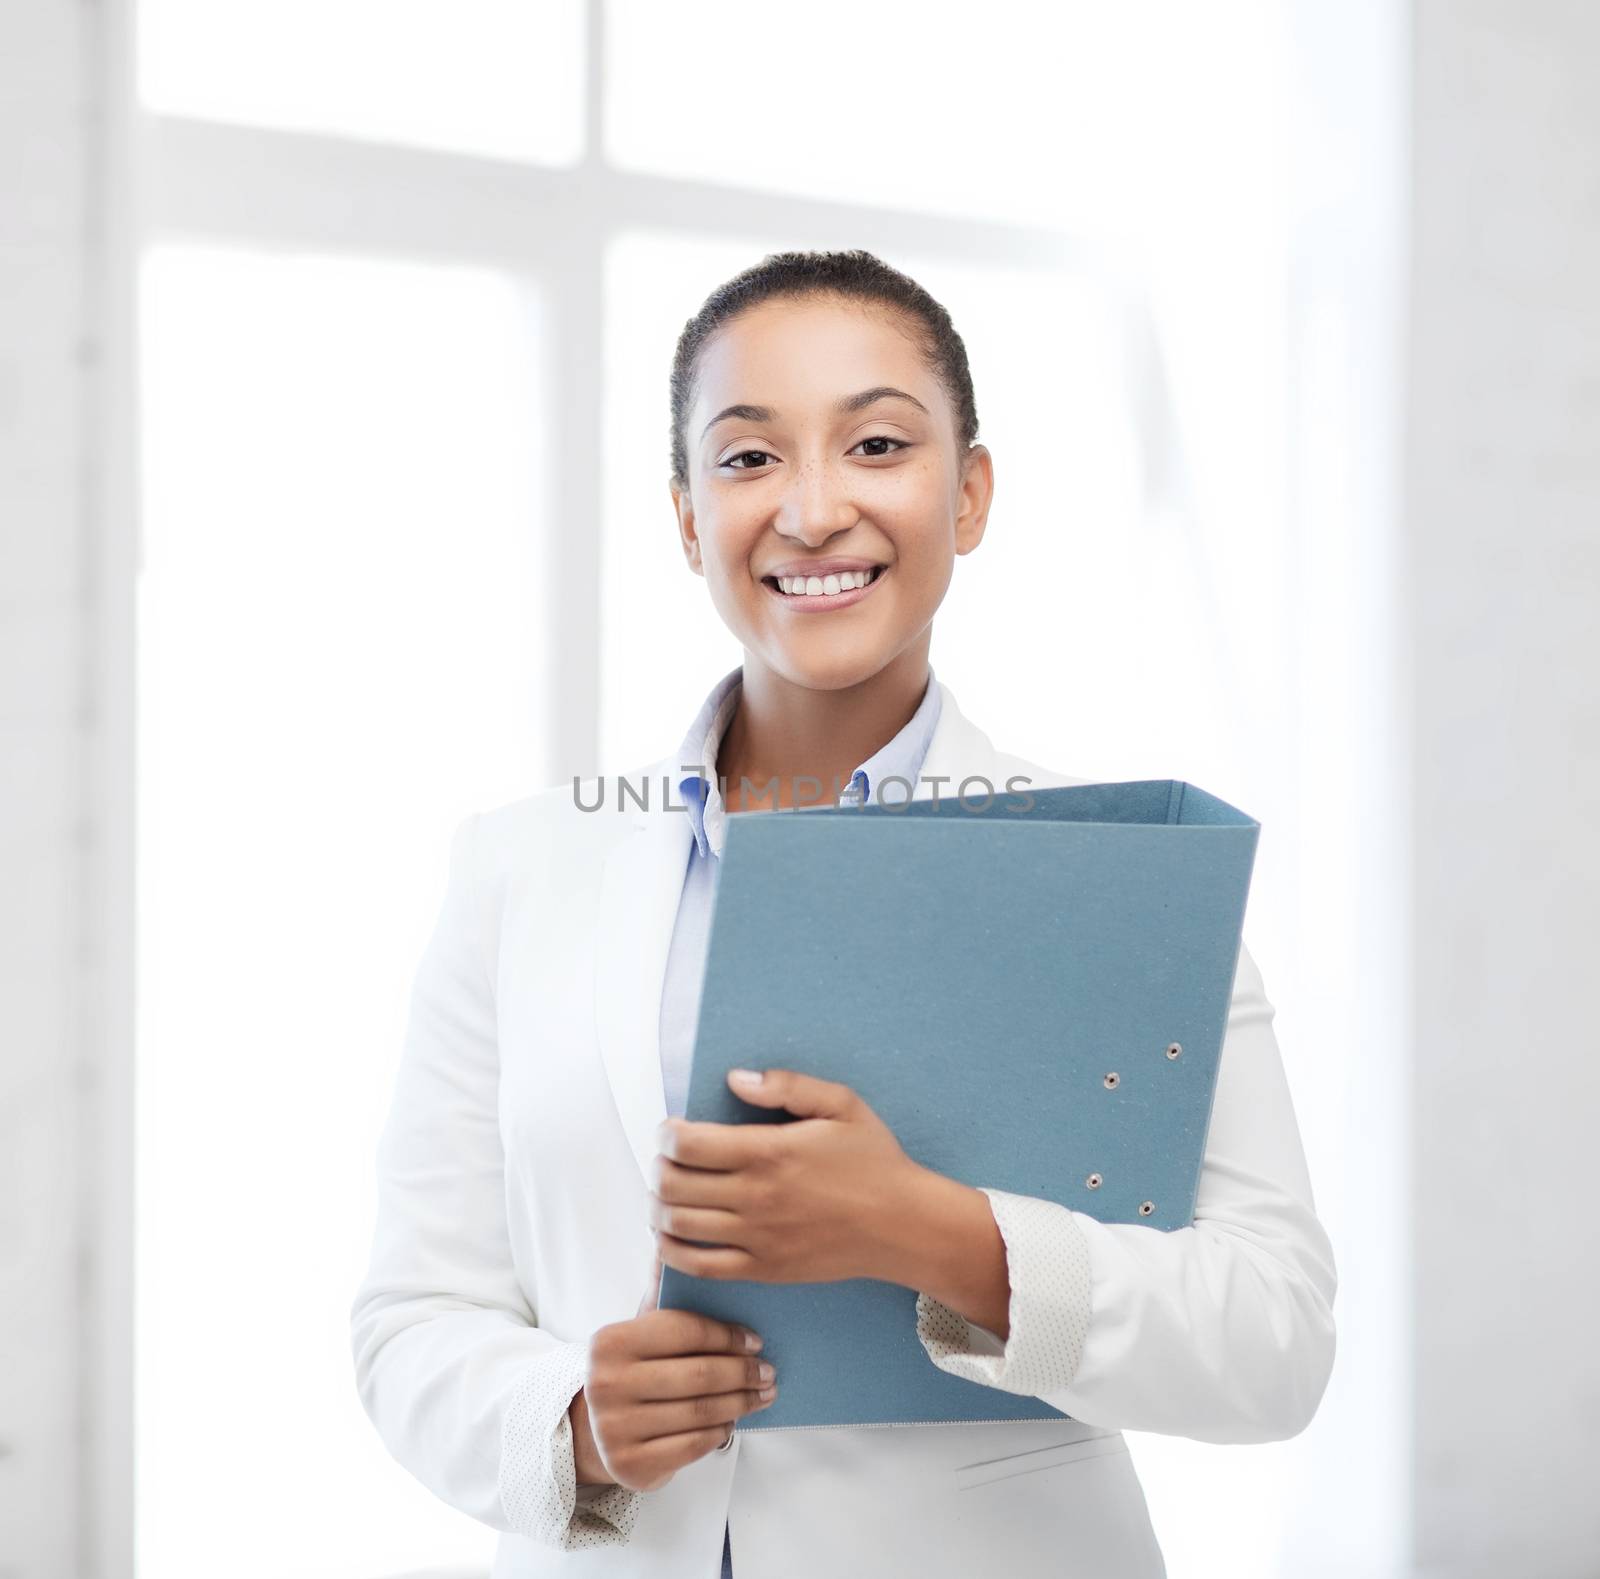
(811, 1201)
(661, 1391)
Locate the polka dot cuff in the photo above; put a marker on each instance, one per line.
(538, 1473)
(1048, 1261)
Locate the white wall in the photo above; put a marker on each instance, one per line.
(1504, 607)
(64, 595)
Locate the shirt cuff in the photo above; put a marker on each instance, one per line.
(538, 1471)
(1047, 1260)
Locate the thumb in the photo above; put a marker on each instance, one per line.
(803, 1095)
(652, 1294)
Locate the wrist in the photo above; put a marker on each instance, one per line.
(913, 1223)
(588, 1467)
(948, 1246)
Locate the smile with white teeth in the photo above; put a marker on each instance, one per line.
(825, 586)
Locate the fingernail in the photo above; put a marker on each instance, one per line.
(765, 1371)
(753, 1341)
(745, 1077)
(767, 1394)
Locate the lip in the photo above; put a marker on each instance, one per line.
(837, 564)
(823, 603)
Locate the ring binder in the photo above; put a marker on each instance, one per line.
(979, 965)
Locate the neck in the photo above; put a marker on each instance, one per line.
(786, 733)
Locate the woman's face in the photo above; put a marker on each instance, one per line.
(800, 462)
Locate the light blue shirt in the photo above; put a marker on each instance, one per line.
(900, 759)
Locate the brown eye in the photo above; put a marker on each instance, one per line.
(883, 438)
(743, 454)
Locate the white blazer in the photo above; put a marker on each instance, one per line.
(512, 1224)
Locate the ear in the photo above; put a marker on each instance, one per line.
(688, 536)
(977, 490)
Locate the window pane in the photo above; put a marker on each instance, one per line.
(1076, 114)
(493, 77)
(338, 653)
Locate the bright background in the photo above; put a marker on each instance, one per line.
(408, 550)
(334, 344)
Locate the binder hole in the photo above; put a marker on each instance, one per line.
(1112, 1080)
(1174, 1049)
(1146, 1207)
(1093, 1181)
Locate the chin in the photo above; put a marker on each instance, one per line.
(831, 666)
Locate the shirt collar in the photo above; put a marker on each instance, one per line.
(898, 759)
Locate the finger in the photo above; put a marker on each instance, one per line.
(684, 1186)
(684, 1415)
(659, 1458)
(661, 1333)
(699, 1261)
(695, 1222)
(803, 1095)
(699, 1143)
(697, 1376)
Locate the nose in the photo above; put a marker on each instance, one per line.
(816, 505)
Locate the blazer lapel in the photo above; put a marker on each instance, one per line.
(640, 889)
(641, 885)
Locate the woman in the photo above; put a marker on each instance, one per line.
(536, 1170)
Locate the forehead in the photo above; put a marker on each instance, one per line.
(799, 354)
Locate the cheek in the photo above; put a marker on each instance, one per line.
(730, 582)
(925, 555)
(920, 491)
(726, 544)
(733, 590)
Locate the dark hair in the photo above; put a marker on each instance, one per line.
(855, 274)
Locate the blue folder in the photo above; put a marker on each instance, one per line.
(1031, 991)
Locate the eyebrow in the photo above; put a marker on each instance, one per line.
(844, 407)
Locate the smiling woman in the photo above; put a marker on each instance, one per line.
(537, 1170)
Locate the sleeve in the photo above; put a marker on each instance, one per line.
(1221, 1331)
(465, 1389)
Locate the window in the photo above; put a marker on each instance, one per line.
(341, 552)
(411, 278)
